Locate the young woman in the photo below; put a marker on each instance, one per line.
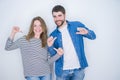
(33, 47)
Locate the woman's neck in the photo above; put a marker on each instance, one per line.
(37, 36)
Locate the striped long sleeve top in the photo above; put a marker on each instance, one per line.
(36, 60)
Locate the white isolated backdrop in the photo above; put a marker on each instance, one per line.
(102, 16)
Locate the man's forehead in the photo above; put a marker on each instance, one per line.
(57, 13)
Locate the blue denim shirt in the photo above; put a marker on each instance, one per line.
(78, 43)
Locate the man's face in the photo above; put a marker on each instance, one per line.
(59, 18)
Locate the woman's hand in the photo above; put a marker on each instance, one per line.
(15, 29)
(50, 41)
(59, 51)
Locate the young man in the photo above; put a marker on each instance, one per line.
(69, 36)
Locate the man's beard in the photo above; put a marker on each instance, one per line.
(62, 21)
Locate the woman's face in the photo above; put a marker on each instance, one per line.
(37, 28)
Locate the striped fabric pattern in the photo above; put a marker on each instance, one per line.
(35, 58)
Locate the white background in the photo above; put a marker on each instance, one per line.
(102, 16)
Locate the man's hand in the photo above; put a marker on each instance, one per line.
(82, 31)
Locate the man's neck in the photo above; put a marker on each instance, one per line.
(64, 24)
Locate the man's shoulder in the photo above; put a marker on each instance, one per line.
(54, 32)
(75, 23)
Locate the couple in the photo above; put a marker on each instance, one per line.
(65, 46)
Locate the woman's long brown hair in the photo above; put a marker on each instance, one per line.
(43, 35)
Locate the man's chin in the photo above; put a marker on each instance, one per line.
(59, 24)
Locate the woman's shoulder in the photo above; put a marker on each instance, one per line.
(23, 37)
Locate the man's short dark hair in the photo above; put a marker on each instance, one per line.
(58, 8)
